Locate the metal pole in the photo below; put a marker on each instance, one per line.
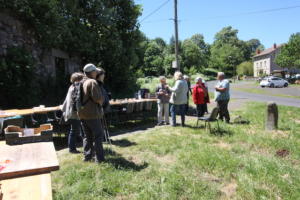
(176, 35)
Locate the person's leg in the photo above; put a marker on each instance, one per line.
(219, 105)
(222, 109)
(182, 113)
(198, 110)
(74, 132)
(159, 112)
(173, 114)
(226, 112)
(205, 108)
(166, 113)
(98, 135)
(88, 149)
(202, 108)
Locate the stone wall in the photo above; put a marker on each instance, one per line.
(14, 33)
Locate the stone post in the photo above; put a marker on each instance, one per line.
(272, 116)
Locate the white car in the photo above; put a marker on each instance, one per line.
(273, 82)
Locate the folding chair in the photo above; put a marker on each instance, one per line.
(211, 118)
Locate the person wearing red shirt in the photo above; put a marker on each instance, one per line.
(199, 94)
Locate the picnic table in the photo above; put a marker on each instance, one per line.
(30, 111)
(25, 171)
(39, 110)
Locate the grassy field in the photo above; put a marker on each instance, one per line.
(260, 91)
(241, 162)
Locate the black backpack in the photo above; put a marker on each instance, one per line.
(77, 97)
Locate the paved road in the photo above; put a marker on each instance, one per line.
(258, 97)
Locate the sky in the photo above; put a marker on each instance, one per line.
(210, 16)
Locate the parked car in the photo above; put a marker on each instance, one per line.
(273, 82)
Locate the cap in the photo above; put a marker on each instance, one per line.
(89, 68)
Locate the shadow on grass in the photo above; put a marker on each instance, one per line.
(120, 163)
(123, 143)
(221, 131)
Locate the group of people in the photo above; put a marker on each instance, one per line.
(178, 97)
(83, 109)
(87, 99)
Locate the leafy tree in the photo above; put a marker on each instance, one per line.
(245, 68)
(192, 56)
(228, 51)
(226, 58)
(290, 53)
(153, 60)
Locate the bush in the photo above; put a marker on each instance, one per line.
(245, 68)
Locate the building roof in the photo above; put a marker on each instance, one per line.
(268, 51)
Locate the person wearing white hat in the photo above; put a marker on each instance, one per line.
(91, 114)
(222, 96)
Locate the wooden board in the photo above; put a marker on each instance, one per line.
(14, 112)
(37, 187)
(27, 159)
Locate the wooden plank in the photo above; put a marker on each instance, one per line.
(37, 187)
(27, 159)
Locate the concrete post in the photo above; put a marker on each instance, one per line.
(272, 116)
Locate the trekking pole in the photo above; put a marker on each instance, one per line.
(106, 132)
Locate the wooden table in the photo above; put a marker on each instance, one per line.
(27, 159)
(38, 110)
(124, 102)
(14, 112)
(36, 186)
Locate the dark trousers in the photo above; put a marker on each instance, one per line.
(74, 133)
(200, 110)
(180, 109)
(223, 110)
(92, 141)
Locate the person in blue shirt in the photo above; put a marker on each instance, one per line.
(222, 96)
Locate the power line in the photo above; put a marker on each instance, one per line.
(235, 15)
(154, 11)
(255, 12)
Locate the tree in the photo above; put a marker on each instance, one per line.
(245, 68)
(192, 56)
(226, 58)
(153, 60)
(228, 51)
(290, 53)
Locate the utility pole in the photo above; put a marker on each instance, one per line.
(176, 35)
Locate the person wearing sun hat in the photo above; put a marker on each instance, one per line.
(90, 115)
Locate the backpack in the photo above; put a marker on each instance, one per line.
(77, 97)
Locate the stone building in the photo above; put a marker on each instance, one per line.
(264, 61)
(15, 33)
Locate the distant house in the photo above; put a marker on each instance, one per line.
(264, 61)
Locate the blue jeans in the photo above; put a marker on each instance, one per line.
(74, 133)
(181, 111)
(92, 141)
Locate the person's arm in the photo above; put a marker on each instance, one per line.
(175, 88)
(95, 93)
(223, 89)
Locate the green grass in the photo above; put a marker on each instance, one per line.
(189, 163)
(259, 91)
